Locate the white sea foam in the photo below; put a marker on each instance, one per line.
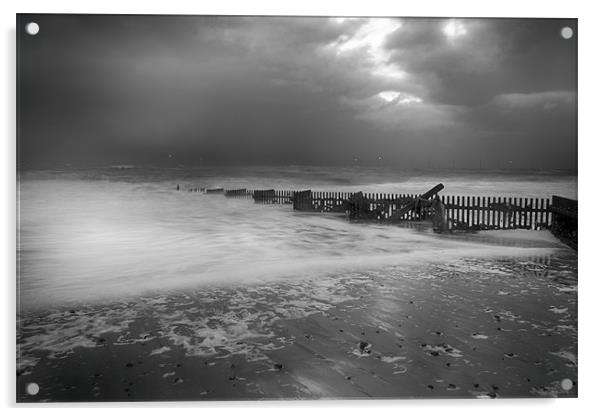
(389, 359)
(160, 351)
(567, 355)
(87, 240)
(554, 309)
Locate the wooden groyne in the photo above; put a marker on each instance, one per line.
(564, 220)
(461, 213)
(237, 193)
(271, 196)
(214, 191)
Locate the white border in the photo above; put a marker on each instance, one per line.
(589, 35)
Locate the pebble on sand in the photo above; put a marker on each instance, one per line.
(364, 347)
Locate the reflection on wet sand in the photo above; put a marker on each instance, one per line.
(474, 327)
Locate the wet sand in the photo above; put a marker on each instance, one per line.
(476, 328)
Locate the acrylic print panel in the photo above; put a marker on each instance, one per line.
(225, 208)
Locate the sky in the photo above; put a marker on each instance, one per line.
(209, 90)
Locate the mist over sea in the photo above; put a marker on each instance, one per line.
(98, 235)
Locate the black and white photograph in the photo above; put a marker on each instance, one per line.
(269, 207)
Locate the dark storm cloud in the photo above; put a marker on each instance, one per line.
(134, 89)
(493, 56)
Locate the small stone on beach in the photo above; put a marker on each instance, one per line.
(362, 346)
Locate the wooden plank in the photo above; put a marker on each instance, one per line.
(511, 218)
(500, 217)
(544, 214)
(389, 206)
(444, 200)
(478, 212)
(503, 214)
(472, 211)
(530, 214)
(482, 211)
(491, 200)
(465, 214)
(509, 213)
(453, 210)
(489, 213)
(449, 209)
(515, 213)
(521, 216)
(494, 214)
(458, 211)
(446, 211)
(498, 213)
(450, 212)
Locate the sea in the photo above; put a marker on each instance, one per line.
(99, 235)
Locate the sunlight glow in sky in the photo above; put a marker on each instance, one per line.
(399, 98)
(454, 29)
(371, 37)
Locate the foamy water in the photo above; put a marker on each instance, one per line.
(93, 236)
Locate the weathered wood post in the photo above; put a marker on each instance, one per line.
(358, 206)
(302, 200)
(564, 220)
(439, 219)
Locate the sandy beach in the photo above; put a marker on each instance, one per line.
(482, 328)
(269, 207)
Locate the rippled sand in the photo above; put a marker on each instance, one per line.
(481, 328)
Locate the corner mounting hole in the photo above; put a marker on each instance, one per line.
(566, 384)
(32, 389)
(32, 28)
(566, 32)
